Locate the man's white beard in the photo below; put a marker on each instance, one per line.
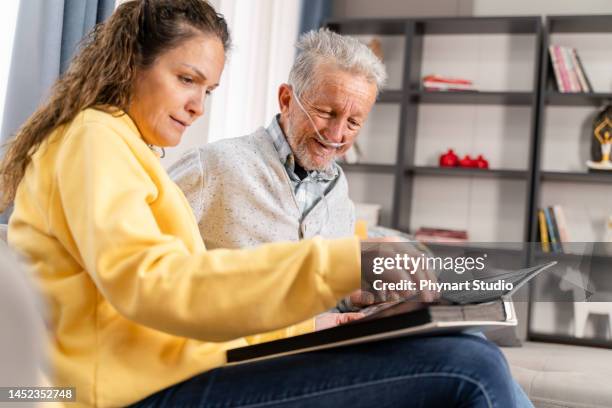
(302, 154)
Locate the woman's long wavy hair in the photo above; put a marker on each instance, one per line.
(101, 75)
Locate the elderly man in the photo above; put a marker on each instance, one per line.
(281, 182)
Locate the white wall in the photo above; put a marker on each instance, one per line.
(535, 7)
(406, 8)
(401, 8)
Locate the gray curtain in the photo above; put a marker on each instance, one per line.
(46, 37)
(314, 14)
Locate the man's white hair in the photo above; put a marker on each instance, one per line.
(326, 47)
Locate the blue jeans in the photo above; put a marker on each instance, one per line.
(447, 371)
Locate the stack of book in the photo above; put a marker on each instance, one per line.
(568, 69)
(553, 228)
(424, 234)
(441, 83)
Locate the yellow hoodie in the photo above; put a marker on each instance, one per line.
(135, 302)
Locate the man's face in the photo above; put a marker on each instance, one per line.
(338, 103)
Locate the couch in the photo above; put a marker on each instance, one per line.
(555, 375)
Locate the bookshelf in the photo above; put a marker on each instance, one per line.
(416, 47)
(564, 125)
(561, 177)
(537, 151)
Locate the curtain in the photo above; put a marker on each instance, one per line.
(264, 34)
(314, 14)
(46, 37)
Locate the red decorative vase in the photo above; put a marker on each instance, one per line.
(449, 159)
(481, 162)
(467, 161)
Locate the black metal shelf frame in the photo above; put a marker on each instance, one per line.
(410, 96)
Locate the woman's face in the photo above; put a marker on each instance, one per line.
(169, 95)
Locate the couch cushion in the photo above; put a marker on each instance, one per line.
(555, 375)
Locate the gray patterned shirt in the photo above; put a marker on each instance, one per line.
(309, 191)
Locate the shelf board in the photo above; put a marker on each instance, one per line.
(467, 172)
(473, 97)
(577, 98)
(580, 24)
(368, 168)
(589, 177)
(390, 96)
(515, 248)
(478, 25)
(560, 256)
(368, 26)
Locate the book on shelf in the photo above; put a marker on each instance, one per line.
(571, 70)
(442, 83)
(556, 64)
(456, 311)
(561, 225)
(425, 234)
(585, 84)
(553, 230)
(543, 231)
(570, 76)
(552, 237)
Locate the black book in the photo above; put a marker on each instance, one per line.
(589, 87)
(555, 229)
(456, 311)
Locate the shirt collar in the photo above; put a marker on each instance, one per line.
(286, 156)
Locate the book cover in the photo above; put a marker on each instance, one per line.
(561, 224)
(543, 231)
(571, 72)
(562, 69)
(442, 83)
(555, 228)
(551, 233)
(589, 87)
(399, 319)
(578, 71)
(556, 68)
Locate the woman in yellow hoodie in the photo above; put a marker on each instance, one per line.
(137, 306)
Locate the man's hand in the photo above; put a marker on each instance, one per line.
(388, 247)
(355, 301)
(329, 320)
